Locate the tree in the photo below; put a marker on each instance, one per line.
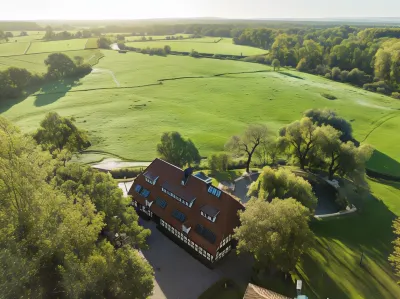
(51, 244)
(103, 43)
(336, 73)
(343, 158)
(282, 183)
(268, 152)
(394, 258)
(253, 136)
(49, 35)
(59, 65)
(276, 64)
(78, 60)
(218, 162)
(276, 233)
(300, 138)
(177, 150)
(329, 117)
(57, 133)
(167, 49)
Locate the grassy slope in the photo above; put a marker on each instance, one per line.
(204, 45)
(208, 110)
(8, 49)
(56, 46)
(35, 62)
(332, 270)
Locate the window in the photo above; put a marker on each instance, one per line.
(144, 192)
(161, 202)
(179, 216)
(138, 188)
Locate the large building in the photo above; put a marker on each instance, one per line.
(189, 208)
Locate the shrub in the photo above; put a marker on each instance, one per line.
(356, 77)
(167, 49)
(194, 53)
(396, 95)
(217, 56)
(328, 76)
(381, 90)
(344, 75)
(302, 65)
(336, 73)
(125, 173)
(379, 86)
(83, 69)
(322, 69)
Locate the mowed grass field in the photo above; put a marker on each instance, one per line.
(9, 49)
(57, 46)
(223, 96)
(202, 45)
(35, 62)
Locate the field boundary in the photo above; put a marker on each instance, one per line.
(63, 51)
(385, 119)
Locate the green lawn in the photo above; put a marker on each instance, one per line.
(57, 46)
(12, 48)
(223, 289)
(208, 109)
(331, 269)
(202, 45)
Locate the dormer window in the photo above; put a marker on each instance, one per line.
(150, 178)
(209, 212)
(186, 229)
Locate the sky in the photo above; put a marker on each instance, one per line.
(239, 9)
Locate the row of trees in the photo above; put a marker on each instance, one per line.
(66, 230)
(14, 82)
(63, 35)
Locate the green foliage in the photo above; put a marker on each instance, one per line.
(194, 54)
(218, 162)
(329, 96)
(57, 133)
(276, 233)
(299, 138)
(396, 95)
(329, 117)
(282, 183)
(394, 258)
(276, 64)
(59, 66)
(50, 241)
(103, 43)
(247, 143)
(177, 150)
(167, 49)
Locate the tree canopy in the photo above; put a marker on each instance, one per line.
(247, 143)
(282, 183)
(58, 133)
(276, 232)
(177, 150)
(50, 238)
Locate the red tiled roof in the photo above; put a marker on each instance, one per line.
(256, 292)
(226, 220)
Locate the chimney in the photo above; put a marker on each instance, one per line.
(186, 174)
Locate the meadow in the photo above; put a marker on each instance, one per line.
(57, 46)
(206, 100)
(202, 45)
(154, 37)
(130, 99)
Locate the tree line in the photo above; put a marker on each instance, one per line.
(15, 82)
(63, 35)
(66, 229)
(364, 57)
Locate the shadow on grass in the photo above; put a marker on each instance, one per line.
(291, 75)
(381, 165)
(53, 91)
(331, 268)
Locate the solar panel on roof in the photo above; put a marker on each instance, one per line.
(205, 233)
(214, 191)
(161, 202)
(145, 193)
(138, 188)
(179, 215)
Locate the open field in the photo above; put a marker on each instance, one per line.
(8, 49)
(154, 37)
(57, 46)
(201, 45)
(35, 62)
(207, 108)
(32, 36)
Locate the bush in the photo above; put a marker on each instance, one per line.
(83, 69)
(379, 86)
(344, 75)
(194, 54)
(328, 76)
(167, 49)
(396, 95)
(218, 162)
(217, 56)
(356, 77)
(302, 65)
(103, 43)
(125, 173)
(336, 73)
(322, 70)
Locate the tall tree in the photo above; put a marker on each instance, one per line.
(175, 149)
(300, 138)
(59, 65)
(247, 143)
(58, 133)
(282, 183)
(276, 233)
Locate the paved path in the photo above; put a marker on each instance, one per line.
(179, 276)
(113, 163)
